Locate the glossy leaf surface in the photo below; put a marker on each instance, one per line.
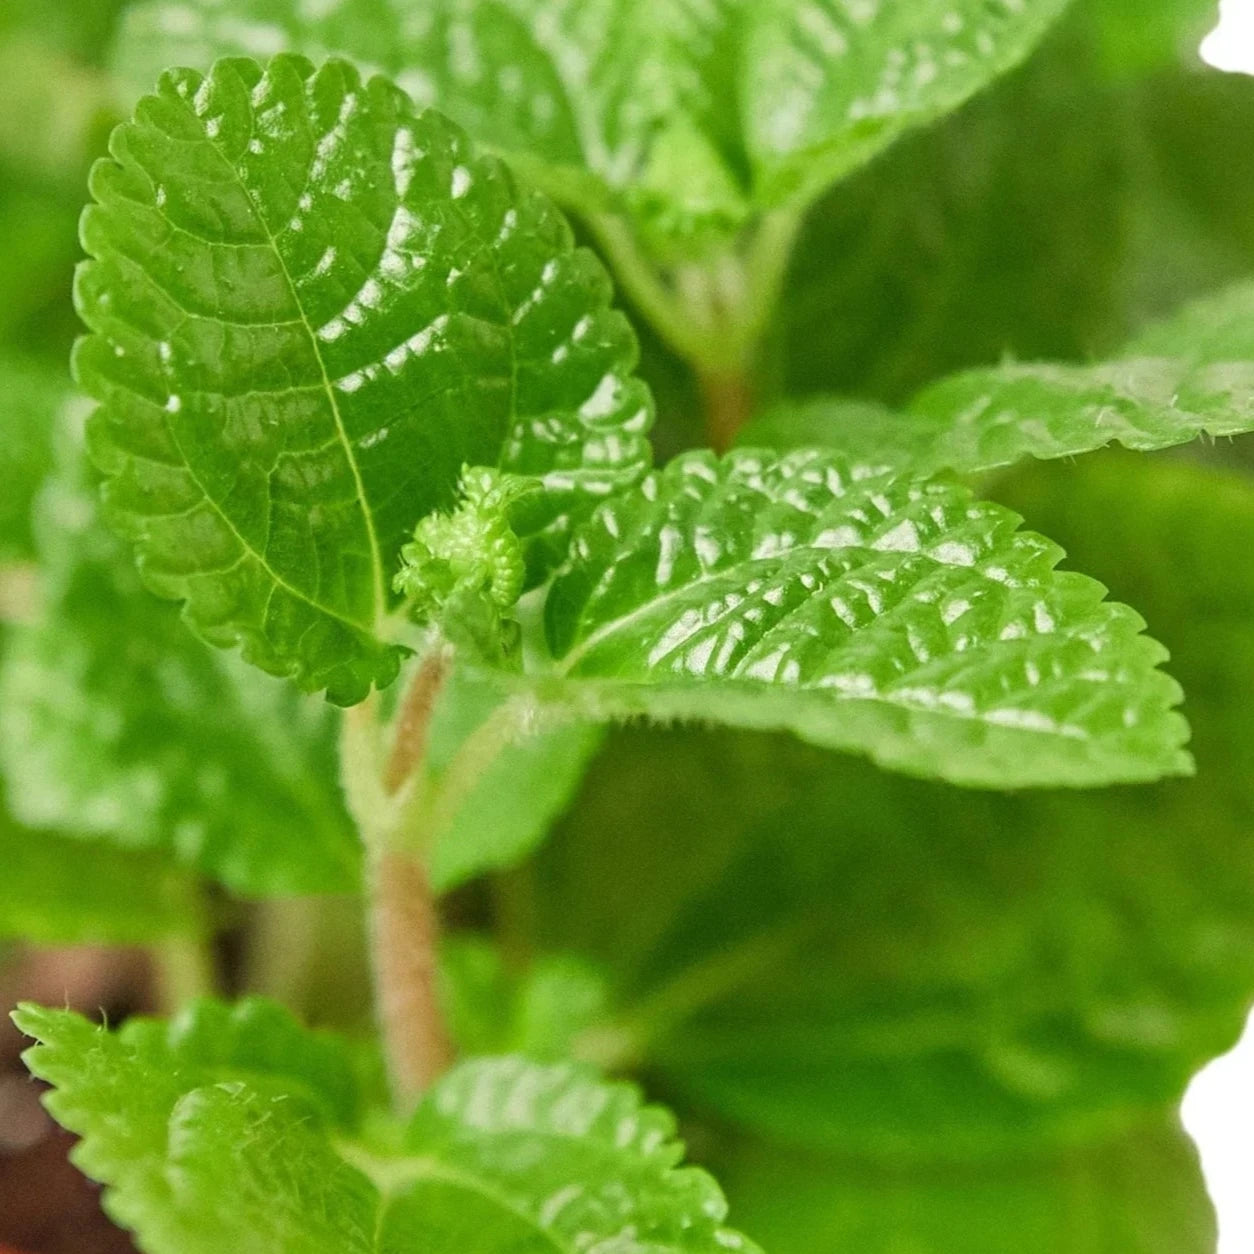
(886, 616)
(312, 306)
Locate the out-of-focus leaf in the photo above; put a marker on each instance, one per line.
(506, 809)
(31, 398)
(1144, 1194)
(1136, 37)
(117, 723)
(232, 1129)
(538, 1011)
(681, 117)
(312, 307)
(59, 891)
(1003, 229)
(865, 612)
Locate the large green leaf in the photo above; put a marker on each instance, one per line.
(682, 115)
(883, 966)
(232, 1129)
(892, 617)
(1143, 1194)
(311, 307)
(117, 723)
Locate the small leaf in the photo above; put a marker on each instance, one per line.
(116, 723)
(865, 612)
(1142, 1194)
(312, 307)
(231, 1129)
(1190, 376)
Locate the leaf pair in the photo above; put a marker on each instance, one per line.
(684, 117)
(312, 306)
(241, 1131)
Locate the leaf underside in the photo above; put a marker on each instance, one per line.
(866, 612)
(311, 307)
(240, 1132)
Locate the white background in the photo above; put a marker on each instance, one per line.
(1219, 1110)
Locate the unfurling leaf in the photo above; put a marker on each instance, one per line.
(312, 307)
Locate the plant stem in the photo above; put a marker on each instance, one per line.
(381, 780)
(404, 932)
(728, 401)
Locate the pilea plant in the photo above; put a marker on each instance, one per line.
(367, 418)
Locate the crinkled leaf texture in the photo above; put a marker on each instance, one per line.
(117, 723)
(863, 611)
(231, 1128)
(311, 307)
(684, 115)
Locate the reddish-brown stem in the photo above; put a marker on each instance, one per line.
(413, 722)
(728, 404)
(405, 930)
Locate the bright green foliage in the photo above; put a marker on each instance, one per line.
(238, 1134)
(116, 722)
(58, 891)
(1143, 1194)
(866, 612)
(31, 397)
(312, 308)
(539, 1011)
(505, 782)
(683, 115)
(828, 84)
(1190, 376)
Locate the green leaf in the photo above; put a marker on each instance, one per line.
(31, 396)
(312, 307)
(829, 84)
(684, 118)
(897, 618)
(232, 1129)
(495, 816)
(117, 723)
(60, 891)
(539, 1011)
(1193, 375)
(1143, 1194)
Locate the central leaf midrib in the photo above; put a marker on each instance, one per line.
(378, 595)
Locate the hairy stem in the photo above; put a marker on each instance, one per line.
(404, 927)
(413, 722)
